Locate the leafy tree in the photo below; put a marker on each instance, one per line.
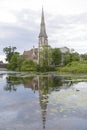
(9, 51)
(13, 64)
(83, 56)
(69, 57)
(45, 56)
(56, 56)
(20, 61)
(45, 59)
(74, 56)
(28, 65)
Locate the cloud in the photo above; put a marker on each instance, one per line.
(28, 19)
(66, 7)
(22, 38)
(24, 33)
(68, 31)
(62, 30)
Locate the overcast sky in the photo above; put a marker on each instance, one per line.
(66, 23)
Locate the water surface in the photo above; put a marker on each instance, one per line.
(48, 102)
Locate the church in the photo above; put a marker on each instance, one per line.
(42, 40)
(34, 53)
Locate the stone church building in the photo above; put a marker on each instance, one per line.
(42, 40)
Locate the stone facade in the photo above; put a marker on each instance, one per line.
(31, 54)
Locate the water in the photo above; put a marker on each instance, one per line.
(42, 103)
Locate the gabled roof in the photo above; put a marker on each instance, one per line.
(31, 54)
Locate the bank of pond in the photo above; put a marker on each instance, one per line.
(72, 67)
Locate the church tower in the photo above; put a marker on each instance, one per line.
(43, 38)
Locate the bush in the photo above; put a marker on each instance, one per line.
(45, 68)
(28, 65)
(74, 67)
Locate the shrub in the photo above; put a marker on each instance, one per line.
(74, 67)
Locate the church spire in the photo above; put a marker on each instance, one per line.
(43, 39)
(42, 26)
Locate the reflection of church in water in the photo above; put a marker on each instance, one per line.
(41, 84)
(44, 86)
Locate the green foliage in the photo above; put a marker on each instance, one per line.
(45, 69)
(28, 65)
(49, 59)
(66, 58)
(84, 56)
(69, 57)
(9, 51)
(17, 62)
(13, 64)
(45, 56)
(56, 56)
(20, 61)
(74, 67)
(45, 59)
(74, 56)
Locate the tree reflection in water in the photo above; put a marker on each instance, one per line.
(43, 84)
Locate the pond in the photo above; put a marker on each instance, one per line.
(42, 102)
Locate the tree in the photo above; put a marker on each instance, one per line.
(56, 56)
(28, 65)
(45, 56)
(69, 57)
(9, 51)
(83, 56)
(13, 64)
(74, 56)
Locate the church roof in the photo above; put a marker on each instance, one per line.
(42, 27)
(31, 54)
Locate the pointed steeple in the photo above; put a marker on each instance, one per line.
(42, 26)
(43, 39)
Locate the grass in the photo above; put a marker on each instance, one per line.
(74, 67)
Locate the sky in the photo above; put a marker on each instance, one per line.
(66, 24)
